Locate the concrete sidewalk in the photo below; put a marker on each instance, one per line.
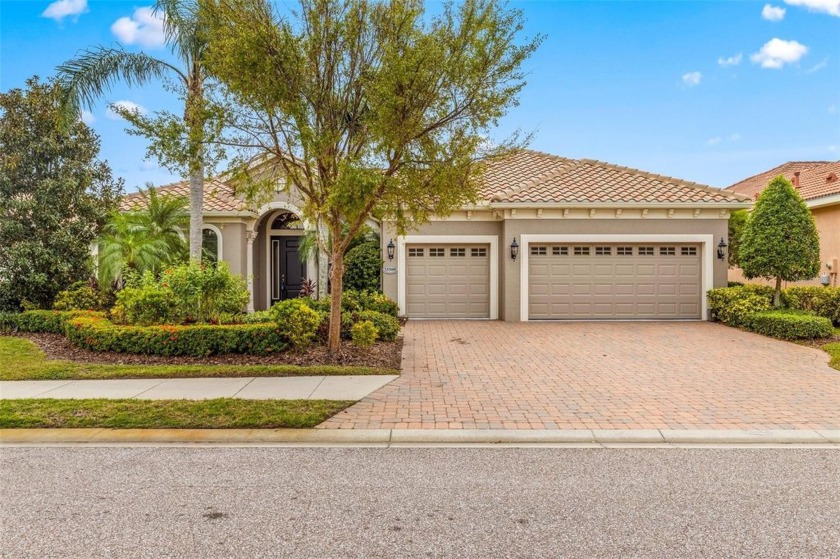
(351, 387)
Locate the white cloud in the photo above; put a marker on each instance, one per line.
(144, 28)
(818, 66)
(777, 52)
(773, 13)
(714, 141)
(731, 60)
(830, 7)
(692, 78)
(60, 9)
(126, 106)
(88, 118)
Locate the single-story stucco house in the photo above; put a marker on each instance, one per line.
(550, 238)
(818, 182)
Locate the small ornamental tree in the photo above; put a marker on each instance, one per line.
(369, 109)
(780, 240)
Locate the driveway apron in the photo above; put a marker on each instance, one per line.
(599, 375)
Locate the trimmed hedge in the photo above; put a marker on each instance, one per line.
(732, 305)
(789, 325)
(822, 301)
(53, 322)
(387, 327)
(98, 334)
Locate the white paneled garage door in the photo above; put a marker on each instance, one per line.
(447, 281)
(614, 281)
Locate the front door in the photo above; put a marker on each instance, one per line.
(287, 271)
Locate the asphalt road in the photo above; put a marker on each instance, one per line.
(352, 502)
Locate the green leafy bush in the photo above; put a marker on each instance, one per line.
(258, 317)
(789, 325)
(363, 267)
(39, 321)
(198, 340)
(363, 333)
(203, 291)
(296, 322)
(387, 327)
(355, 301)
(81, 296)
(822, 301)
(146, 306)
(732, 305)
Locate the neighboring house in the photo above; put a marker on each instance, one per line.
(818, 182)
(550, 238)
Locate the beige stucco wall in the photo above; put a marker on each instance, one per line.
(827, 219)
(507, 229)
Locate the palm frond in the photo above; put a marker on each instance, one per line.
(91, 74)
(180, 26)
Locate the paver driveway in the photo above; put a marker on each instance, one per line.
(586, 375)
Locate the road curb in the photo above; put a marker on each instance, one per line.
(415, 437)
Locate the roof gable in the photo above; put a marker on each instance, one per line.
(218, 196)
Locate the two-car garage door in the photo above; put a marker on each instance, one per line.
(614, 281)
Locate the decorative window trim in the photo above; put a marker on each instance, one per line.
(603, 251)
(414, 252)
(646, 251)
(458, 252)
(559, 251)
(624, 251)
(688, 251)
(667, 251)
(539, 251)
(478, 252)
(582, 251)
(437, 252)
(218, 232)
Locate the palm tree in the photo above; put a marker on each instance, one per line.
(147, 239)
(88, 77)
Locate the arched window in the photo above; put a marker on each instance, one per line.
(211, 244)
(287, 220)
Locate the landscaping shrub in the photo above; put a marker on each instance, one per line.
(822, 301)
(732, 305)
(363, 267)
(257, 317)
(146, 305)
(81, 296)
(789, 325)
(356, 301)
(296, 322)
(387, 327)
(39, 321)
(204, 291)
(199, 340)
(363, 333)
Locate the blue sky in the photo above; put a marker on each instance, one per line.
(707, 91)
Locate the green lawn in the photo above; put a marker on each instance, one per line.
(223, 413)
(20, 359)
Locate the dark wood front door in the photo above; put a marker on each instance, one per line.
(287, 271)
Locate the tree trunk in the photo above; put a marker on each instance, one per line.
(337, 286)
(196, 211)
(777, 294)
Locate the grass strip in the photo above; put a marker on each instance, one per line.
(21, 359)
(221, 413)
(834, 351)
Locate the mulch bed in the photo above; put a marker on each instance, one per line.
(818, 343)
(383, 355)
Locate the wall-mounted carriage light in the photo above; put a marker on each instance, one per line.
(721, 252)
(391, 248)
(514, 249)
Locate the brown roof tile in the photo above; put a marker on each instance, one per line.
(534, 177)
(814, 179)
(218, 196)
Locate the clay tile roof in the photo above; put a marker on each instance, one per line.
(816, 179)
(534, 177)
(218, 196)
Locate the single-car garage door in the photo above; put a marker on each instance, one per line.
(614, 281)
(447, 281)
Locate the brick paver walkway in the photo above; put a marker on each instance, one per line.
(633, 375)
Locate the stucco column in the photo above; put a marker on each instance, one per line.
(249, 267)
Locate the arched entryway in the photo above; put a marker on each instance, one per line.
(287, 271)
